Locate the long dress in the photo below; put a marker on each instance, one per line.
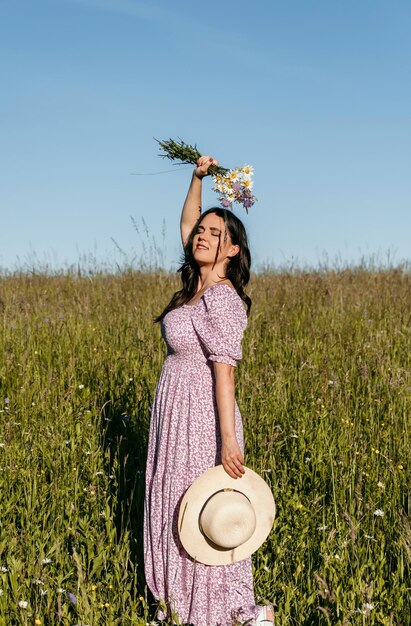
(184, 442)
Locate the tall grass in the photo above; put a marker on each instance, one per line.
(325, 393)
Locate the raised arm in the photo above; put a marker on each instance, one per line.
(192, 205)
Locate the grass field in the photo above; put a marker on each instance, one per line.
(325, 392)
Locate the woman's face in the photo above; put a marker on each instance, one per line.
(212, 233)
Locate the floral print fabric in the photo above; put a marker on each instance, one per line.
(184, 442)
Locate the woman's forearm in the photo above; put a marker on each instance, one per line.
(191, 208)
(224, 392)
(192, 205)
(232, 458)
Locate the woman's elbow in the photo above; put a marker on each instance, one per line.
(223, 371)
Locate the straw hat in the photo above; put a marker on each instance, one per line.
(223, 520)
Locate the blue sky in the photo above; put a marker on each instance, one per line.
(314, 93)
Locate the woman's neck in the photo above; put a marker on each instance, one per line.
(209, 277)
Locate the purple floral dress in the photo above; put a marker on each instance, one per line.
(184, 442)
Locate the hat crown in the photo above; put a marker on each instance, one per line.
(228, 519)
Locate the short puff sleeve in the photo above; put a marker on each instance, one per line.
(220, 323)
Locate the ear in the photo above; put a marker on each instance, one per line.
(234, 250)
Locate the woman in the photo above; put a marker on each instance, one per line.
(195, 421)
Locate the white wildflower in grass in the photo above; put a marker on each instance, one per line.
(46, 561)
(366, 608)
(381, 485)
(307, 459)
(3, 569)
(23, 604)
(378, 513)
(337, 557)
(36, 581)
(61, 590)
(294, 436)
(43, 592)
(2, 445)
(322, 528)
(81, 386)
(371, 537)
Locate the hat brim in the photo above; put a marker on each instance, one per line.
(198, 546)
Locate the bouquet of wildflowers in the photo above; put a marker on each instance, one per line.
(233, 185)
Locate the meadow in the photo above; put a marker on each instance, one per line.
(325, 392)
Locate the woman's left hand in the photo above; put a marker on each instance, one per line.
(232, 458)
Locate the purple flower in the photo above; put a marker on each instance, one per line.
(237, 187)
(226, 203)
(72, 598)
(7, 400)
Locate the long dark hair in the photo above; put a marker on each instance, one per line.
(238, 266)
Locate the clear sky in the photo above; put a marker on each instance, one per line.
(314, 93)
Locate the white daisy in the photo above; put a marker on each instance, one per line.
(247, 170)
(233, 175)
(247, 183)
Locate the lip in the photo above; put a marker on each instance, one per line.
(200, 246)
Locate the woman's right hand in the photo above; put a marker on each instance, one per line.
(203, 164)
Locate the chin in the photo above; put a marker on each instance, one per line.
(201, 258)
